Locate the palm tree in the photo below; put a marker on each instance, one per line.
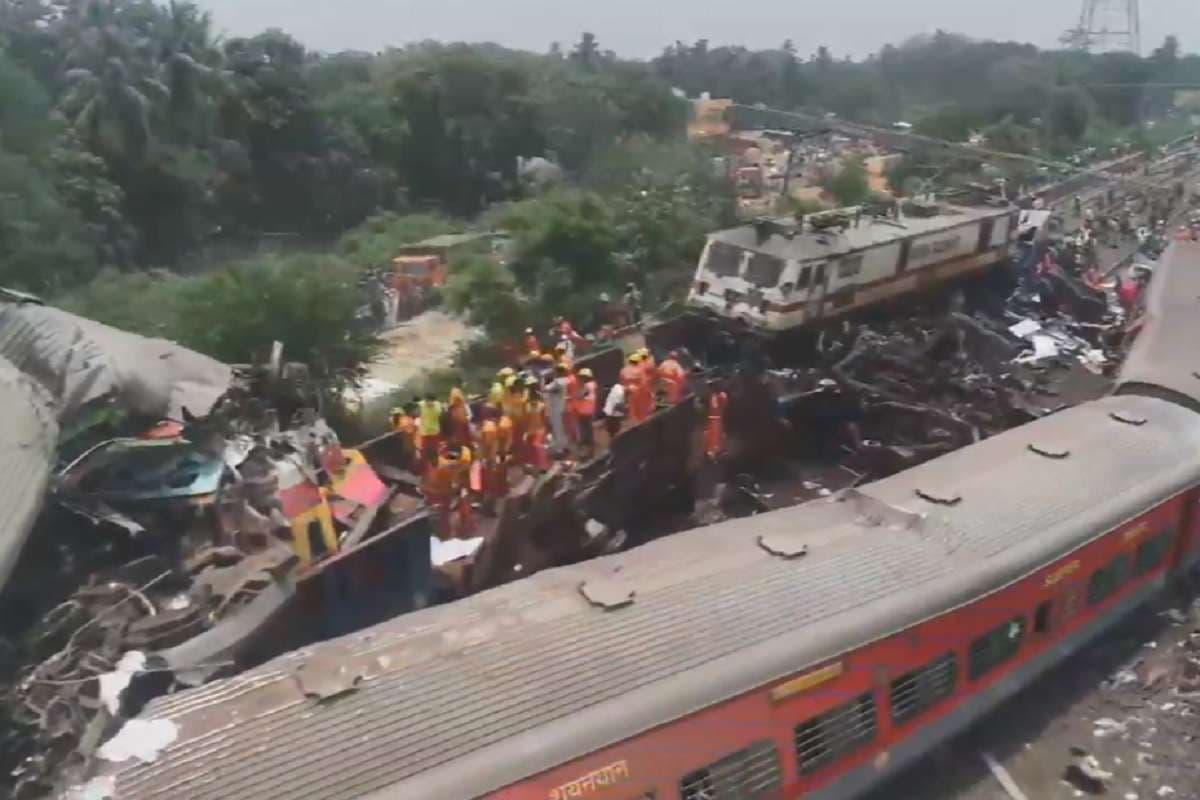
(111, 83)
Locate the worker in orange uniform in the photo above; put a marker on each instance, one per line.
(429, 426)
(460, 461)
(714, 431)
(673, 378)
(633, 379)
(404, 425)
(438, 488)
(536, 422)
(585, 410)
(645, 399)
(458, 417)
(570, 416)
(493, 484)
(532, 345)
(515, 408)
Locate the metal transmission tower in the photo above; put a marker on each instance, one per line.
(1106, 25)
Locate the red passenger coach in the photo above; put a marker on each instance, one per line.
(809, 652)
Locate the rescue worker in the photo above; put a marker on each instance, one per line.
(642, 404)
(556, 410)
(632, 378)
(493, 484)
(615, 409)
(405, 427)
(570, 418)
(458, 419)
(535, 430)
(585, 410)
(429, 425)
(504, 441)
(714, 431)
(673, 378)
(438, 488)
(495, 397)
(565, 351)
(532, 345)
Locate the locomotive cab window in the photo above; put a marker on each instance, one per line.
(805, 278)
(724, 260)
(915, 691)
(764, 271)
(995, 647)
(749, 774)
(838, 732)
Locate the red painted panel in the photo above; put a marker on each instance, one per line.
(658, 759)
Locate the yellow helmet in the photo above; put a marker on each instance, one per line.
(586, 373)
(507, 372)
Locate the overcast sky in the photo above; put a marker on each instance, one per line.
(641, 28)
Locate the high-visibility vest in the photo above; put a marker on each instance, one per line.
(585, 404)
(431, 418)
(514, 405)
(496, 395)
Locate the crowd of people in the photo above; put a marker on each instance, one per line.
(542, 411)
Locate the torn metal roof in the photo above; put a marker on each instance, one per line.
(78, 361)
(27, 445)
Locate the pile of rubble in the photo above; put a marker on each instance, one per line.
(187, 519)
(882, 396)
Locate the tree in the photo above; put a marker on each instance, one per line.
(1069, 113)
(587, 52)
(850, 185)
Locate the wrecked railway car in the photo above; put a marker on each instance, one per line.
(808, 652)
(780, 275)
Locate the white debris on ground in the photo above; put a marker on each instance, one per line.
(452, 549)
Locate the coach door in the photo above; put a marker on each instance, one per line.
(985, 236)
(816, 293)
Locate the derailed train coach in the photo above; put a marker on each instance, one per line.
(808, 652)
(779, 274)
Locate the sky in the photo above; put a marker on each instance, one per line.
(641, 28)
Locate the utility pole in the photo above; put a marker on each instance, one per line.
(1107, 25)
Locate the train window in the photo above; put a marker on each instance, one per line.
(1152, 552)
(920, 689)
(749, 774)
(850, 266)
(723, 260)
(819, 280)
(1108, 579)
(838, 732)
(1043, 618)
(995, 647)
(805, 278)
(763, 270)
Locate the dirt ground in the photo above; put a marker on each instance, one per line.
(1128, 702)
(427, 341)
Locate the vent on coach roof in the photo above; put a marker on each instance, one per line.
(1049, 450)
(1127, 418)
(940, 497)
(783, 544)
(607, 594)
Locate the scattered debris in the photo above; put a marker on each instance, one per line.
(1087, 776)
(1003, 778)
(142, 739)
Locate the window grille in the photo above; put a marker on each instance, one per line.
(920, 689)
(749, 774)
(838, 732)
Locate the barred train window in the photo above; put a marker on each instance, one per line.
(995, 647)
(1108, 579)
(838, 732)
(922, 688)
(1150, 553)
(749, 774)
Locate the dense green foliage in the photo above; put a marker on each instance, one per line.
(133, 140)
